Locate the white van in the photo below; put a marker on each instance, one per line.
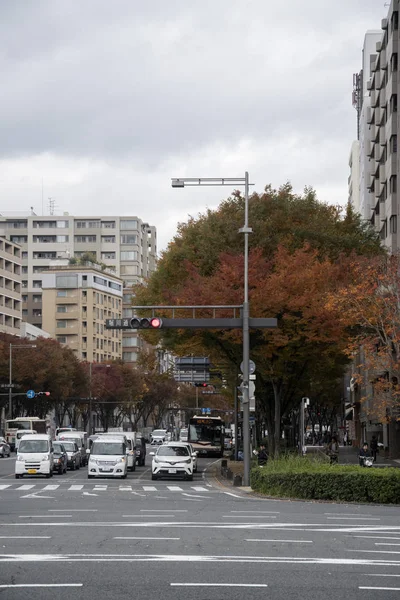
(20, 433)
(79, 438)
(34, 456)
(108, 458)
(130, 446)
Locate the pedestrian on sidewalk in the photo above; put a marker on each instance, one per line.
(364, 453)
(374, 447)
(262, 456)
(333, 450)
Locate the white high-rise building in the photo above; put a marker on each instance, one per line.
(127, 245)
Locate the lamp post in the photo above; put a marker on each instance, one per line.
(90, 398)
(191, 181)
(10, 407)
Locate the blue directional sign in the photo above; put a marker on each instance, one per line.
(30, 394)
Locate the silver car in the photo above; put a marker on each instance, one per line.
(5, 449)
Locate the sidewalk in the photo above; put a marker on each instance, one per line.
(348, 455)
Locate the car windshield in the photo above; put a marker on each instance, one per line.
(173, 451)
(21, 433)
(28, 445)
(69, 446)
(108, 448)
(77, 440)
(58, 448)
(128, 442)
(159, 432)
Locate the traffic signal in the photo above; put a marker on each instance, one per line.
(201, 384)
(146, 323)
(43, 394)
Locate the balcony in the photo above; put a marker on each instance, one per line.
(73, 299)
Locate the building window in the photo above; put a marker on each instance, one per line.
(37, 312)
(115, 286)
(66, 281)
(24, 312)
(393, 144)
(61, 339)
(108, 224)
(44, 239)
(61, 293)
(19, 239)
(395, 20)
(62, 224)
(24, 254)
(393, 224)
(61, 308)
(393, 103)
(24, 270)
(108, 255)
(129, 270)
(99, 281)
(36, 298)
(129, 224)
(108, 239)
(128, 239)
(84, 239)
(24, 298)
(129, 356)
(129, 255)
(61, 324)
(47, 255)
(130, 341)
(37, 283)
(394, 62)
(393, 184)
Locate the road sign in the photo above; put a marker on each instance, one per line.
(252, 389)
(252, 367)
(30, 394)
(8, 385)
(206, 411)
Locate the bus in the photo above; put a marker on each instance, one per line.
(12, 426)
(206, 434)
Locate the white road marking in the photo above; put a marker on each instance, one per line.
(376, 551)
(127, 488)
(4, 486)
(149, 488)
(174, 488)
(355, 518)
(88, 494)
(41, 516)
(252, 585)
(35, 495)
(257, 512)
(100, 488)
(380, 575)
(25, 537)
(40, 585)
(386, 589)
(234, 495)
(25, 487)
(148, 516)
(143, 538)
(346, 514)
(248, 517)
(159, 511)
(283, 541)
(47, 488)
(199, 488)
(195, 496)
(374, 537)
(73, 510)
(75, 488)
(383, 544)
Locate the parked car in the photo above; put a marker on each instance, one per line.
(60, 458)
(73, 454)
(108, 458)
(173, 459)
(5, 449)
(35, 456)
(158, 436)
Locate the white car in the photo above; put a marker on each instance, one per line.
(192, 451)
(108, 458)
(158, 436)
(173, 459)
(35, 456)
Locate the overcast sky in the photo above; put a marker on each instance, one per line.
(106, 100)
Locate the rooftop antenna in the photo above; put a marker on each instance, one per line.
(52, 204)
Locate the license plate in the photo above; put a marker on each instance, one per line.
(32, 471)
(106, 470)
(171, 470)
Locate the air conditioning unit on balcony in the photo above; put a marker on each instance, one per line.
(378, 46)
(369, 85)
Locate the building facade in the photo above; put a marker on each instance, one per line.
(10, 287)
(127, 245)
(76, 301)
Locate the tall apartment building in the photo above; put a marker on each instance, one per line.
(125, 244)
(10, 287)
(76, 301)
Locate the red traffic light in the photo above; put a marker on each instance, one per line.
(146, 323)
(156, 322)
(43, 394)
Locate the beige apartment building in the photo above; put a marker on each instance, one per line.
(10, 287)
(76, 301)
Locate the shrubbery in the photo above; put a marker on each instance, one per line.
(304, 478)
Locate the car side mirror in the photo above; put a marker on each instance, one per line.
(87, 451)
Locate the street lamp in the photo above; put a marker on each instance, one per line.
(10, 375)
(192, 181)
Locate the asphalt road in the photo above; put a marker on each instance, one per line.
(74, 538)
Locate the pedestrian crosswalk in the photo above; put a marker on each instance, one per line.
(100, 488)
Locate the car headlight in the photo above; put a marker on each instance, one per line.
(93, 460)
(45, 457)
(188, 461)
(157, 460)
(56, 460)
(120, 459)
(20, 457)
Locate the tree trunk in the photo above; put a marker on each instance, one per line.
(277, 432)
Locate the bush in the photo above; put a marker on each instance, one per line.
(304, 478)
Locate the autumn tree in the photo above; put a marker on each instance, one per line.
(299, 253)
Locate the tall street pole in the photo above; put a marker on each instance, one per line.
(90, 398)
(246, 337)
(10, 416)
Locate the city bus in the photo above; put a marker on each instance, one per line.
(206, 434)
(12, 426)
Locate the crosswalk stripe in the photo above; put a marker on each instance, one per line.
(75, 488)
(149, 488)
(174, 488)
(4, 487)
(100, 488)
(199, 488)
(125, 488)
(50, 487)
(25, 487)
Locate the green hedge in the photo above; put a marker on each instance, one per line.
(317, 481)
